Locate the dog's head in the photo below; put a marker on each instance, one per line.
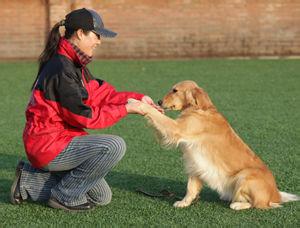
(184, 95)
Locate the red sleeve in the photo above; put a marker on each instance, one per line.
(78, 107)
(101, 117)
(107, 93)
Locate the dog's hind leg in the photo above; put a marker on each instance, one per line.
(254, 188)
(194, 187)
(242, 199)
(240, 205)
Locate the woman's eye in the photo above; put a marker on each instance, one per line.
(175, 90)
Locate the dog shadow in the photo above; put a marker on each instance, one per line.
(152, 184)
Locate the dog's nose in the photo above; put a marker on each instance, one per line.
(160, 102)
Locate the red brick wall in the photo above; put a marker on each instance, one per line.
(164, 28)
(22, 28)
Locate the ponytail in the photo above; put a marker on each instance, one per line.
(50, 48)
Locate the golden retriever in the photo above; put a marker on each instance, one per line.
(213, 153)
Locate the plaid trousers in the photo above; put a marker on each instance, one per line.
(77, 173)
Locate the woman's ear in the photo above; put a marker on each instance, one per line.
(79, 34)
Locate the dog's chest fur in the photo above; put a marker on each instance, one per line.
(198, 163)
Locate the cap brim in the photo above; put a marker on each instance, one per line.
(105, 32)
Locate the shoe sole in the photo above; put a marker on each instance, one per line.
(57, 205)
(14, 186)
(12, 191)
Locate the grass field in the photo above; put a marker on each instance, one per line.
(260, 98)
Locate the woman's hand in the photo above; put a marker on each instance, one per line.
(148, 100)
(134, 107)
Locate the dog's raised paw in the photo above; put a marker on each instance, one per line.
(181, 204)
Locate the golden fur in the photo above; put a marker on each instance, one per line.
(213, 153)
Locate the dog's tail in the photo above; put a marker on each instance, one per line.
(288, 197)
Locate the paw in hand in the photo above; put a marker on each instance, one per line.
(136, 106)
(148, 100)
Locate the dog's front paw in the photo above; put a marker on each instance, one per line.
(181, 204)
(143, 107)
(146, 108)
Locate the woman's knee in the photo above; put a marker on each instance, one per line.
(114, 147)
(117, 146)
(101, 194)
(106, 198)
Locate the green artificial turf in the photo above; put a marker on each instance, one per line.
(260, 98)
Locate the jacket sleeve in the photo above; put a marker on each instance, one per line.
(71, 100)
(107, 93)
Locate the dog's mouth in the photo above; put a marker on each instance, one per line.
(168, 108)
(173, 107)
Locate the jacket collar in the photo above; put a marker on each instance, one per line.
(72, 52)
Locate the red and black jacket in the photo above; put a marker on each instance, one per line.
(65, 100)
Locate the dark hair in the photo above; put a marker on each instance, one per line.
(51, 46)
(49, 50)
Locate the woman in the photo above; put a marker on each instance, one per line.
(67, 166)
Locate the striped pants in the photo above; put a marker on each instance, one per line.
(77, 173)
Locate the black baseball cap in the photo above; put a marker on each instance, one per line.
(88, 20)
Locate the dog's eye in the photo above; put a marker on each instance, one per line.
(175, 90)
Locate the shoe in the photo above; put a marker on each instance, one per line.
(15, 194)
(54, 203)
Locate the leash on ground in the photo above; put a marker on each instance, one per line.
(163, 193)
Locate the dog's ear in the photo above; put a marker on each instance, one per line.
(198, 98)
(190, 99)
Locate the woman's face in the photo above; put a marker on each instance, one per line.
(87, 42)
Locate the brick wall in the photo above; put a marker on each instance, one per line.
(164, 28)
(23, 28)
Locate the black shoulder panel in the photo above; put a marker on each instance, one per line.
(60, 81)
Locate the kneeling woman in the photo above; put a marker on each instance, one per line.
(67, 166)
